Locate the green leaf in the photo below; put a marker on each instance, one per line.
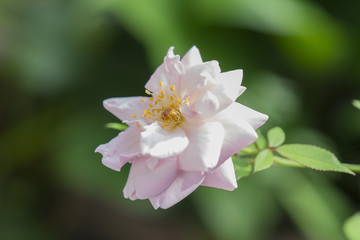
(356, 103)
(117, 126)
(276, 137)
(312, 157)
(256, 147)
(261, 141)
(242, 168)
(352, 227)
(263, 160)
(250, 150)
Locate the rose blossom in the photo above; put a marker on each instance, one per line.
(184, 133)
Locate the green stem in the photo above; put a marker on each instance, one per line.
(352, 167)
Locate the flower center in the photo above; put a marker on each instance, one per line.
(164, 107)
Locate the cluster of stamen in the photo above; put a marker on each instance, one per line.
(163, 107)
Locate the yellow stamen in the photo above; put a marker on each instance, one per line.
(163, 107)
(161, 94)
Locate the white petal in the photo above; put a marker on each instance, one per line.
(184, 184)
(120, 149)
(152, 162)
(254, 118)
(191, 58)
(239, 129)
(129, 190)
(144, 182)
(195, 78)
(169, 73)
(158, 76)
(207, 105)
(222, 177)
(228, 87)
(238, 135)
(161, 143)
(191, 115)
(203, 151)
(173, 65)
(232, 83)
(123, 108)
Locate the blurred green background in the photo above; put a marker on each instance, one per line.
(60, 58)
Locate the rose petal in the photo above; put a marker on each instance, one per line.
(145, 182)
(228, 87)
(152, 162)
(184, 184)
(158, 142)
(120, 149)
(129, 190)
(239, 129)
(123, 108)
(191, 116)
(254, 118)
(168, 73)
(238, 135)
(204, 147)
(158, 76)
(192, 58)
(173, 67)
(222, 177)
(207, 105)
(195, 79)
(232, 83)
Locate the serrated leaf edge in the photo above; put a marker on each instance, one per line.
(346, 170)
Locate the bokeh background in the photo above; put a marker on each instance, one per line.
(60, 58)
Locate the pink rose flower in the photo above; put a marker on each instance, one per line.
(184, 133)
